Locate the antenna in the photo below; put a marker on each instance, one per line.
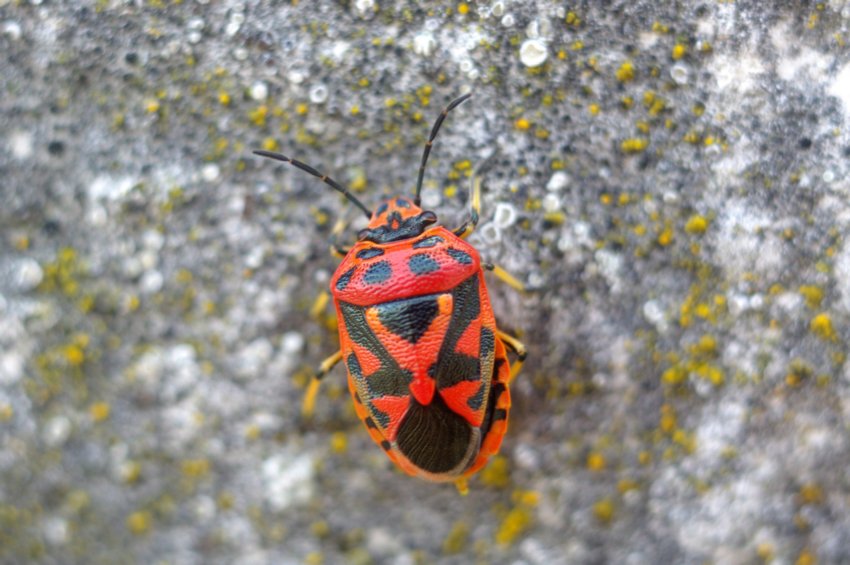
(452, 105)
(324, 178)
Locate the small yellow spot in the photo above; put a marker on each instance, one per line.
(806, 557)
(497, 473)
(658, 27)
(339, 442)
(644, 458)
(516, 522)
(195, 468)
(270, 144)
(596, 461)
(821, 326)
(811, 494)
(302, 109)
(541, 133)
(572, 19)
(577, 45)
(522, 124)
(626, 72)
(22, 243)
(139, 522)
(355, 109)
(456, 539)
(603, 510)
(390, 102)
(667, 422)
(665, 238)
(6, 412)
(709, 140)
(679, 51)
(606, 199)
(674, 375)
(463, 9)
(223, 98)
(152, 106)
(364, 82)
(634, 145)
(99, 411)
(696, 224)
(812, 294)
(314, 558)
(627, 102)
(74, 355)
(562, 55)
(594, 109)
(691, 137)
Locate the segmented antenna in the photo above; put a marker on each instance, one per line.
(452, 105)
(324, 178)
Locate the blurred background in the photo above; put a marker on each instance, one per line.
(672, 176)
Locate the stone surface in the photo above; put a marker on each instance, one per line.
(673, 177)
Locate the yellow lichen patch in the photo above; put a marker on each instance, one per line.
(603, 510)
(99, 411)
(595, 461)
(522, 124)
(339, 442)
(457, 538)
(634, 145)
(518, 519)
(572, 19)
(6, 412)
(593, 109)
(696, 224)
(667, 421)
(258, 115)
(152, 106)
(139, 522)
(806, 557)
(270, 144)
(626, 72)
(811, 493)
(798, 372)
(74, 355)
(497, 473)
(679, 51)
(674, 375)
(195, 468)
(821, 326)
(224, 98)
(812, 294)
(463, 8)
(686, 440)
(665, 238)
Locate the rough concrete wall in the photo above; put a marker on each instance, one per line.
(673, 176)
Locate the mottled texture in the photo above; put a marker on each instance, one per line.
(672, 178)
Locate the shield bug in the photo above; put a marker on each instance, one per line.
(427, 366)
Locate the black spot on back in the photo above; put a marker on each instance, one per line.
(409, 318)
(433, 437)
(345, 278)
(460, 256)
(477, 399)
(402, 202)
(381, 209)
(422, 264)
(428, 242)
(370, 253)
(378, 273)
(454, 367)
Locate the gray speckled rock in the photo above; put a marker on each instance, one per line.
(673, 177)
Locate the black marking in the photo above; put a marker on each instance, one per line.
(357, 398)
(402, 202)
(370, 253)
(381, 209)
(404, 229)
(460, 256)
(500, 414)
(370, 423)
(378, 273)
(345, 278)
(386, 445)
(476, 400)
(454, 367)
(432, 241)
(390, 379)
(409, 318)
(422, 264)
(434, 438)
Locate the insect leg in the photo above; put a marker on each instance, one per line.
(517, 347)
(313, 388)
(338, 250)
(505, 276)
